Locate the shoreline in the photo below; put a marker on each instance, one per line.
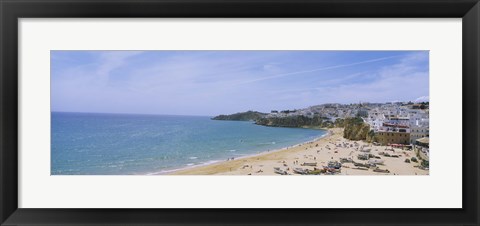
(317, 153)
(213, 162)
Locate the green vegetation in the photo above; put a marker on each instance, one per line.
(425, 163)
(316, 172)
(295, 121)
(356, 129)
(339, 122)
(371, 136)
(414, 159)
(241, 116)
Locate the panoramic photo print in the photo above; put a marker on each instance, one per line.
(236, 112)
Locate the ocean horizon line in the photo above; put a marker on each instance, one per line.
(139, 114)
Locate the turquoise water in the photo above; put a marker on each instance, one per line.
(119, 144)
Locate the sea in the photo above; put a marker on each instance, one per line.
(128, 144)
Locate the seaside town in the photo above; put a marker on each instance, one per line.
(401, 123)
(363, 139)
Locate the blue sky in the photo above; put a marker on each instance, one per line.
(224, 82)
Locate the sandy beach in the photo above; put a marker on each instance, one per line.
(332, 147)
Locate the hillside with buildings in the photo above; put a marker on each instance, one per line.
(398, 123)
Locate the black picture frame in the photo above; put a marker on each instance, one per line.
(12, 10)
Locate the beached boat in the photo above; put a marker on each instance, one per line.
(378, 170)
(344, 160)
(334, 165)
(301, 171)
(331, 171)
(277, 170)
(357, 164)
(363, 156)
(375, 161)
(309, 164)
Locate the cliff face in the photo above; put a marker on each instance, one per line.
(356, 129)
(294, 121)
(241, 116)
(371, 137)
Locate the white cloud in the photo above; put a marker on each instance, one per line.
(112, 60)
(406, 80)
(271, 67)
(316, 69)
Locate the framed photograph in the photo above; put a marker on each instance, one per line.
(239, 112)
